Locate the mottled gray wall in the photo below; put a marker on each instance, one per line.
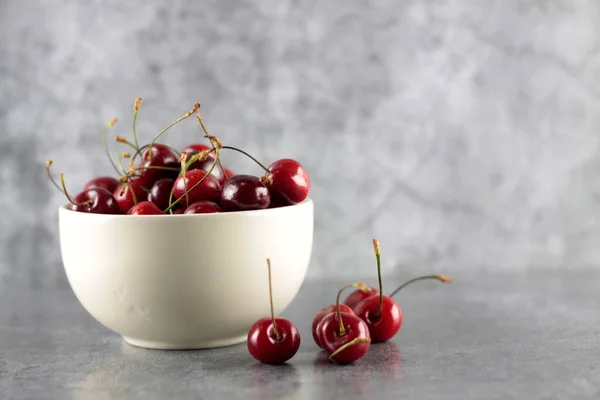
(462, 134)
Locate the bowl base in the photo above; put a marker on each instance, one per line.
(185, 345)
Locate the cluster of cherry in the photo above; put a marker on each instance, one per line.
(160, 180)
(344, 331)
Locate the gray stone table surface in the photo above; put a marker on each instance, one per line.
(531, 335)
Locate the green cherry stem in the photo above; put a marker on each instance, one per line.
(48, 164)
(159, 134)
(136, 107)
(109, 125)
(247, 155)
(351, 343)
(377, 250)
(64, 190)
(275, 331)
(442, 278)
(358, 285)
(121, 139)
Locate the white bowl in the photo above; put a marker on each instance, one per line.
(185, 281)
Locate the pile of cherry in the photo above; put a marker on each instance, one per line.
(157, 179)
(344, 331)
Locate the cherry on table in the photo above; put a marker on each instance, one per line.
(343, 335)
(203, 207)
(129, 193)
(106, 182)
(198, 186)
(145, 208)
(160, 193)
(322, 313)
(358, 295)
(290, 181)
(273, 340)
(155, 162)
(245, 192)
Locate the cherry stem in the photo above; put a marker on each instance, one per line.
(275, 331)
(159, 134)
(48, 164)
(358, 285)
(377, 250)
(213, 140)
(354, 342)
(104, 134)
(183, 169)
(171, 205)
(121, 139)
(442, 278)
(136, 108)
(248, 155)
(71, 200)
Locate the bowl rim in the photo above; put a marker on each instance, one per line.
(232, 214)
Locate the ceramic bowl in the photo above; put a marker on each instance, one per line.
(185, 281)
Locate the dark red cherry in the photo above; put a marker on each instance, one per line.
(383, 325)
(195, 148)
(161, 192)
(209, 189)
(245, 192)
(145, 208)
(319, 317)
(162, 157)
(347, 346)
(266, 347)
(106, 182)
(125, 195)
(206, 165)
(291, 183)
(358, 295)
(179, 211)
(96, 201)
(203, 207)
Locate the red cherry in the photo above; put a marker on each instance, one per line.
(268, 348)
(206, 165)
(229, 173)
(358, 295)
(162, 157)
(319, 317)
(273, 340)
(96, 201)
(245, 192)
(160, 193)
(179, 211)
(208, 189)
(344, 346)
(106, 182)
(203, 207)
(291, 183)
(196, 148)
(145, 208)
(125, 195)
(384, 322)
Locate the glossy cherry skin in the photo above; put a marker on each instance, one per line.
(245, 192)
(206, 165)
(101, 202)
(161, 192)
(209, 189)
(145, 208)
(265, 347)
(203, 207)
(106, 182)
(319, 317)
(291, 183)
(162, 156)
(331, 339)
(358, 295)
(125, 197)
(179, 211)
(382, 326)
(196, 148)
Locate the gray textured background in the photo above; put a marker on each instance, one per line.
(462, 134)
